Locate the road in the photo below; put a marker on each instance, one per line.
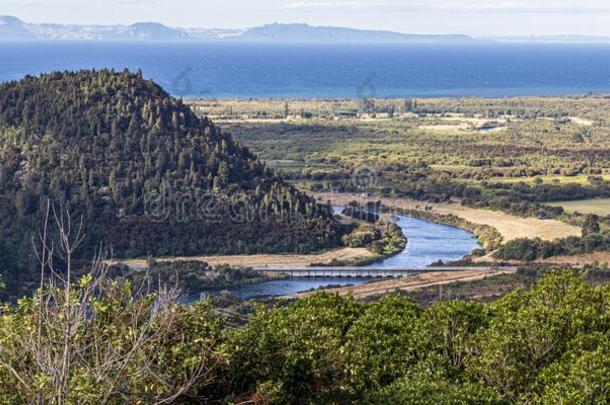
(348, 272)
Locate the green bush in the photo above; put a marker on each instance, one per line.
(545, 345)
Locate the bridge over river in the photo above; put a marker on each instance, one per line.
(347, 272)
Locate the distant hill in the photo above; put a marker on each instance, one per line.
(11, 28)
(563, 39)
(308, 33)
(143, 171)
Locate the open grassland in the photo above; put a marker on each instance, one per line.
(343, 255)
(510, 226)
(599, 206)
(594, 258)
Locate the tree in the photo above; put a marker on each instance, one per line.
(292, 354)
(532, 330)
(382, 345)
(429, 388)
(591, 225)
(582, 377)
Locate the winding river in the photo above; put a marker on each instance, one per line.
(427, 243)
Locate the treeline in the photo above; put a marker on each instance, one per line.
(368, 213)
(593, 239)
(549, 192)
(422, 183)
(381, 235)
(145, 174)
(520, 199)
(537, 249)
(549, 344)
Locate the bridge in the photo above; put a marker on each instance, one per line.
(348, 272)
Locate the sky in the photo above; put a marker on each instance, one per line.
(473, 17)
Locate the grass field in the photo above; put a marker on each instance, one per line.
(343, 254)
(597, 206)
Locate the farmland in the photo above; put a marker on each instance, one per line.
(599, 206)
(532, 168)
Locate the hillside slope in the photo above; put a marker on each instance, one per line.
(145, 174)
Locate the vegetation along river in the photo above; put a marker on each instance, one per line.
(427, 243)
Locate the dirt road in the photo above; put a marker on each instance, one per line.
(412, 283)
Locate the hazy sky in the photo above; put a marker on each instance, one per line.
(478, 17)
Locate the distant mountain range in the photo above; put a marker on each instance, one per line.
(565, 39)
(12, 28)
(308, 33)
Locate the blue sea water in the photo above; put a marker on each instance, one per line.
(249, 70)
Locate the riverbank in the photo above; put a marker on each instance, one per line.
(428, 242)
(510, 227)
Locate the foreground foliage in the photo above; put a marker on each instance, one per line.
(104, 347)
(549, 344)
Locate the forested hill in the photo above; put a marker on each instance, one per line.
(146, 174)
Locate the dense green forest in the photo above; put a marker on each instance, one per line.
(548, 344)
(143, 172)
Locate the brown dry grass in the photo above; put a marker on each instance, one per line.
(267, 259)
(412, 283)
(510, 226)
(580, 260)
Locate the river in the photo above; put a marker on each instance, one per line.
(427, 243)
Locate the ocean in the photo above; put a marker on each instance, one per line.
(249, 70)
